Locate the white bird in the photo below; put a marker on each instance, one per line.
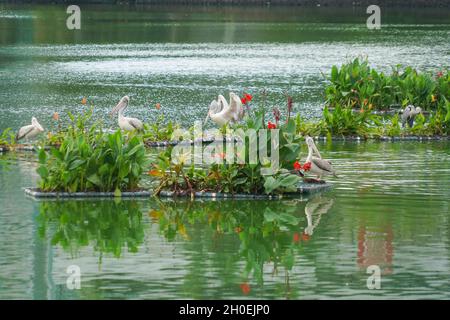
(222, 113)
(126, 123)
(409, 114)
(30, 131)
(319, 166)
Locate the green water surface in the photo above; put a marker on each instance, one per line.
(388, 208)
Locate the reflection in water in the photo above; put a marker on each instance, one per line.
(267, 230)
(234, 249)
(316, 208)
(376, 248)
(107, 226)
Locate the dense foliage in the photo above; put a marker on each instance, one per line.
(91, 160)
(7, 138)
(234, 177)
(357, 85)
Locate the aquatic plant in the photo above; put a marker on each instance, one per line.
(234, 177)
(160, 130)
(90, 160)
(7, 138)
(343, 121)
(357, 85)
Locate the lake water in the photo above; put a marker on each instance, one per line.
(388, 208)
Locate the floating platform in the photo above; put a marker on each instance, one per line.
(302, 189)
(36, 193)
(153, 144)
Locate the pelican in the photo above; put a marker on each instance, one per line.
(222, 113)
(319, 166)
(409, 114)
(126, 123)
(317, 206)
(29, 131)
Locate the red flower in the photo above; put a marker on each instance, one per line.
(248, 97)
(296, 238)
(297, 166)
(271, 125)
(245, 288)
(440, 74)
(307, 166)
(243, 100)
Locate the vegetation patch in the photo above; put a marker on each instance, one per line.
(89, 160)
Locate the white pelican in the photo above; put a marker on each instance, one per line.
(409, 114)
(222, 113)
(29, 131)
(319, 166)
(126, 123)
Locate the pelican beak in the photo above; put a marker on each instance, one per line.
(120, 105)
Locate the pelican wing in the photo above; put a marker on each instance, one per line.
(406, 115)
(236, 108)
(23, 132)
(215, 107)
(135, 123)
(323, 165)
(223, 103)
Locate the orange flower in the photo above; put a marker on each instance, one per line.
(84, 101)
(296, 237)
(245, 288)
(154, 173)
(55, 116)
(238, 229)
(220, 155)
(158, 106)
(366, 101)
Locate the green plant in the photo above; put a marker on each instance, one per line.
(7, 138)
(356, 85)
(159, 130)
(232, 177)
(344, 121)
(90, 160)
